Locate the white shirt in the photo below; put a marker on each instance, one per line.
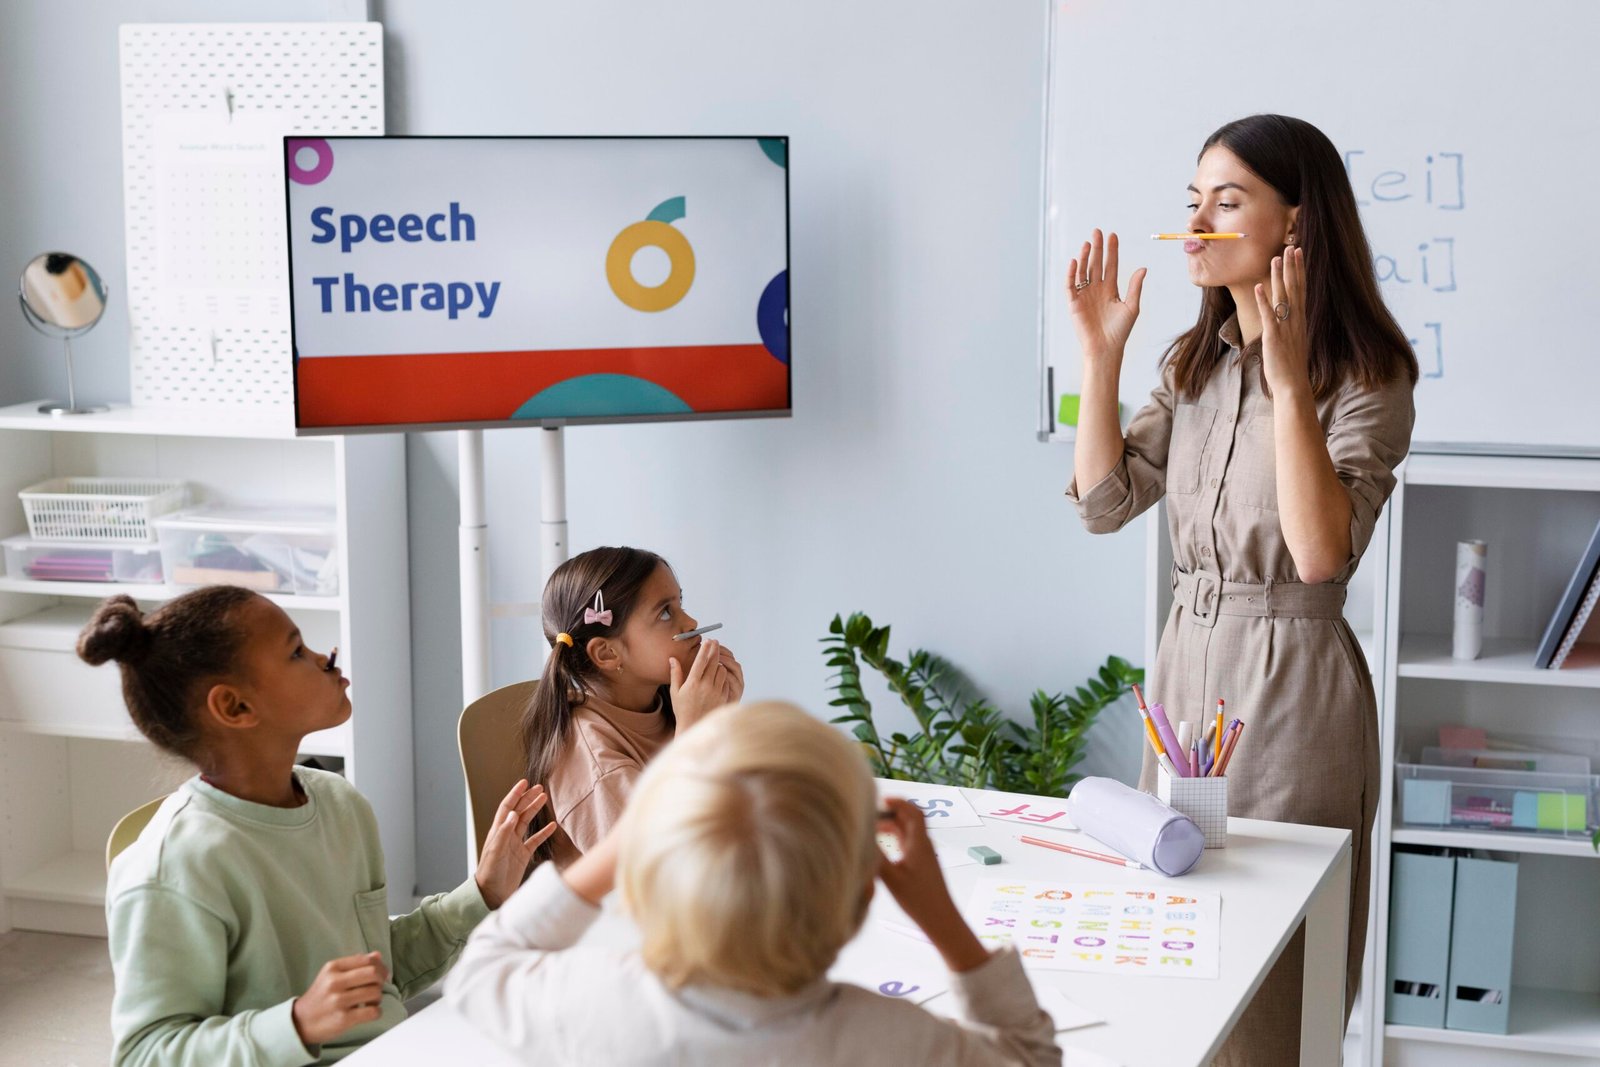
(522, 982)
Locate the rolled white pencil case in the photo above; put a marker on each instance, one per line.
(1137, 825)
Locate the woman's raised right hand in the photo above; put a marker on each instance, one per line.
(1102, 319)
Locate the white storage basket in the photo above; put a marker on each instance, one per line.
(100, 509)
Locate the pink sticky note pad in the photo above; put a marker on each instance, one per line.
(1462, 737)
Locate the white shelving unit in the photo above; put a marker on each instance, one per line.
(70, 762)
(1536, 515)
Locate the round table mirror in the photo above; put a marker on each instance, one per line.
(62, 296)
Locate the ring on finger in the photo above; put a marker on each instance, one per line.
(1281, 310)
(1080, 286)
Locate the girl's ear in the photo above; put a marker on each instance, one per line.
(603, 654)
(227, 708)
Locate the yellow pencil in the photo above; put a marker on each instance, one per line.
(1217, 737)
(1197, 236)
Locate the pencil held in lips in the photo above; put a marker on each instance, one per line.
(1197, 236)
(696, 633)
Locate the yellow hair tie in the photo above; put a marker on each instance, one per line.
(565, 639)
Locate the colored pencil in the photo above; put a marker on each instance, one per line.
(1103, 857)
(1155, 739)
(1227, 753)
(1216, 738)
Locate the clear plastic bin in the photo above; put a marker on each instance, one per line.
(1471, 798)
(272, 550)
(79, 561)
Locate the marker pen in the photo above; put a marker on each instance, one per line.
(696, 633)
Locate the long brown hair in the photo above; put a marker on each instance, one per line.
(569, 673)
(169, 658)
(1353, 335)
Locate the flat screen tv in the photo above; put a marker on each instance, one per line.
(476, 282)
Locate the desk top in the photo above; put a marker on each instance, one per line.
(1266, 876)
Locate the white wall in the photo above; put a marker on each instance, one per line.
(908, 484)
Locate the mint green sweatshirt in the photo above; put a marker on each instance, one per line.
(223, 911)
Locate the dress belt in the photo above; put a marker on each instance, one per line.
(1204, 595)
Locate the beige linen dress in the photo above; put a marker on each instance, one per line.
(1244, 627)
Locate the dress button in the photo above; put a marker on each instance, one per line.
(1230, 418)
(1205, 551)
(1213, 483)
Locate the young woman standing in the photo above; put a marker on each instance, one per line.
(1274, 434)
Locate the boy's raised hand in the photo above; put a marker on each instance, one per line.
(507, 849)
(347, 992)
(917, 885)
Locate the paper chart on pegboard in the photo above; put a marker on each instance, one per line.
(220, 251)
(204, 108)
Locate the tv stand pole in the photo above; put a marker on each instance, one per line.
(476, 610)
(474, 569)
(552, 502)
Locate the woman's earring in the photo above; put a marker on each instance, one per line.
(1289, 240)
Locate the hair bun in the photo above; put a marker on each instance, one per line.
(115, 632)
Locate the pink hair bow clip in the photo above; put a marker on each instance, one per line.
(598, 613)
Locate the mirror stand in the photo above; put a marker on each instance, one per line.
(56, 407)
(62, 296)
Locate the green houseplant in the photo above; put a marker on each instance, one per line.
(962, 739)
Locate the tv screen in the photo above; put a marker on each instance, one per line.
(446, 282)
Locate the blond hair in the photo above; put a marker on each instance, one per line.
(748, 850)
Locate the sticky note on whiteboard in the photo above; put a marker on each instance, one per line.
(1068, 413)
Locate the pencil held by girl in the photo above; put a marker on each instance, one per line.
(249, 923)
(747, 858)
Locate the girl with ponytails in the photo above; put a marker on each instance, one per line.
(616, 687)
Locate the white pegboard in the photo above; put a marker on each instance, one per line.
(202, 109)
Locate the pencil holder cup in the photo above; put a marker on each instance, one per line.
(1205, 800)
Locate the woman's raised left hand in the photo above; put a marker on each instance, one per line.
(1285, 339)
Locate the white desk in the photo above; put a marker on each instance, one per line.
(1270, 877)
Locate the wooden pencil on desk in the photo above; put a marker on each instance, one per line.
(1103, 857)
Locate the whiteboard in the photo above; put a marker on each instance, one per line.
(1471, 133)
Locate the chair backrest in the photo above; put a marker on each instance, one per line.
(492, 757)
(128, 828)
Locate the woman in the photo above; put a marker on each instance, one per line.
(1274, 434)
